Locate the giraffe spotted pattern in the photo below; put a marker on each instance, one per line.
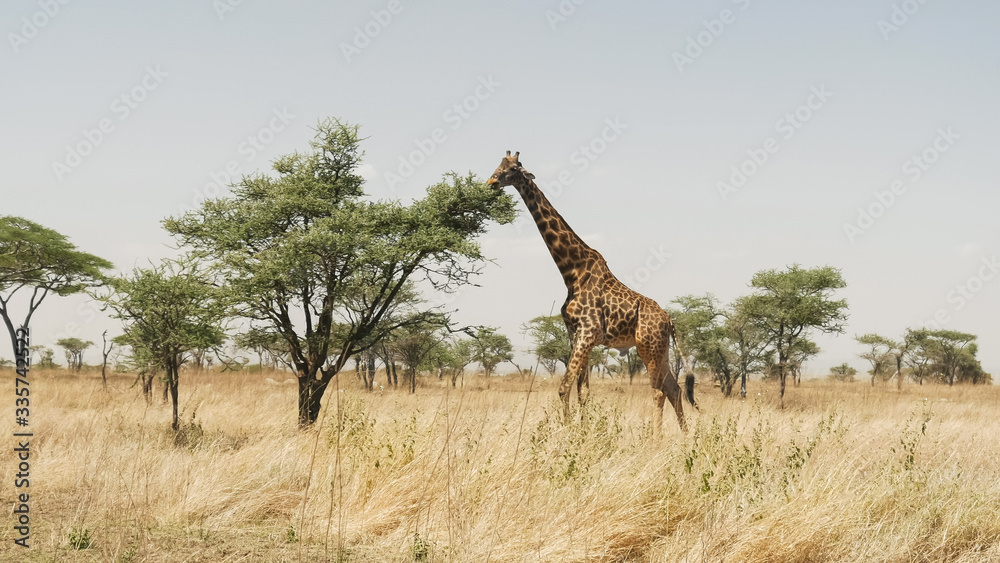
(599, 309)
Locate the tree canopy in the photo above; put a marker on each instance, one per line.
(301, 251)
(167, 311)
(551, 341)
(787, 305)
(74, 348)
(41, 261)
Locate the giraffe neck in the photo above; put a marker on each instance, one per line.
(568, 250)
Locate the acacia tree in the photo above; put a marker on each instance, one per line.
(459, 356)
(40, 261)
(551, 340)
(167, 312)
(788, 305)
(877, 354)
(801, 351)
(106, 349)
(951, 349)
(490, 349)
(293, 247)
(74, 348)
(843, 372)
(413, 344)
(629, 362)
(700, 330)
(726, 340)
(749, 342)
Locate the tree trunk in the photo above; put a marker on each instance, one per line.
(105, 351)
(311, 392)
(147, 387)
(175, 424)
(370, 378)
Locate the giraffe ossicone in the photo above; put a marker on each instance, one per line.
(599, 309)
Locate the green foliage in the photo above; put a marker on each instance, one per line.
(420, 549)
(46, 357)
(551, 341)
(878, 354)
(843, 372)
(568, 453)
(721, 460)
(79, 538)
(387, 446)
(167, 312)
(414, 344)
(911, 437)
(787, 305)
(490, 349)
(305, 256)
(726, 340)
(74, 348)
(40, 261)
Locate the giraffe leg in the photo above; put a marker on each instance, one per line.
(673, 393)
(576, 371)
(653, 344)
(655, 382)
(583, 383)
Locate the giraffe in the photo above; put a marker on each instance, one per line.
(599, 310)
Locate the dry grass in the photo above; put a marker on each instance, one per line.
(488, 473)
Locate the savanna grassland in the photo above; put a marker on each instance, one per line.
(489, 472)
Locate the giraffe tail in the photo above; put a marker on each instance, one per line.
(689, 378)
(689, 389)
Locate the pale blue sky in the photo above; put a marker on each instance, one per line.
(545, 88)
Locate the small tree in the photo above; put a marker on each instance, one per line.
(629, 362)
(460, 353)
(726, 340)
(74, 348)
(167, 312)
(789, 304)
(551, 341)
(490, 349)
(843, 372)
(877, 352)
(921, 351)
(46, 357)
(952, 346)
(40, 261)
(106, 348)
(412, 345)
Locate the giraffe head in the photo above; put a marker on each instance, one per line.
(509, 172)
